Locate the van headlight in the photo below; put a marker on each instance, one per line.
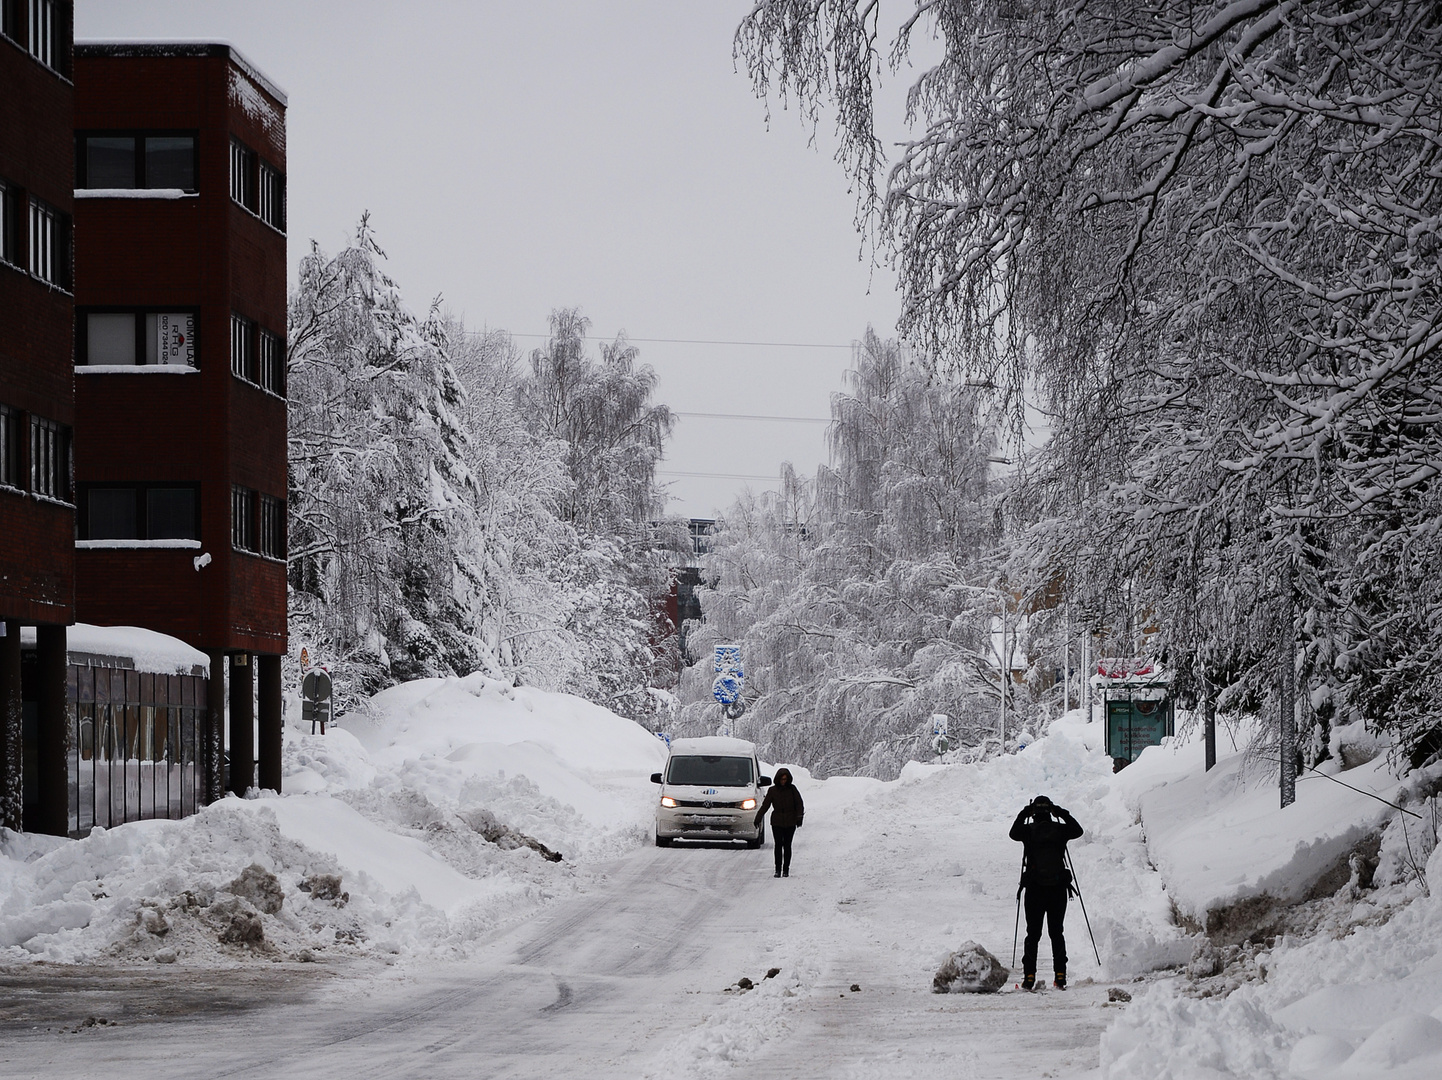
(748, 804)
(666, 800)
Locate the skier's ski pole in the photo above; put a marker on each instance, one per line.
(1017, 928)
(1082, 900)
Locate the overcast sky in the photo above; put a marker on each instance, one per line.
(522, 156)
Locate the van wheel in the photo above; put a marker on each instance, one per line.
(662, 841)
(760, 839)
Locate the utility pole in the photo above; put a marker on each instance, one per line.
(1287, 698)
(1066, 663)
(1002, 668)
(1209, 729)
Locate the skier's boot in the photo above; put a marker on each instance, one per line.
(1028, 981)
(1060, 983)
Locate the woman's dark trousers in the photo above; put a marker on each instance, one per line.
(782, 835)
(1044, 902)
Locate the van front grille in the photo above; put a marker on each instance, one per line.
(710, 805)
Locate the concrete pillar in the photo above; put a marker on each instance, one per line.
(213, 741)
(271, 722)
(12, 767)
(242, 723)
(52, 770)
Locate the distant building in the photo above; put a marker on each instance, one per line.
(682, 603)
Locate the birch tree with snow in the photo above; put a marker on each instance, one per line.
(1203, 237)
(863, 600)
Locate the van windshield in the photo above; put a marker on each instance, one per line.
(710, 771)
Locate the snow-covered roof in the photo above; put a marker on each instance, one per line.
(146, 650)
(1129, 671)
(713, 744)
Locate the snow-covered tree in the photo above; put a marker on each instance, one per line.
(1203, 236)
(385, 570)
(615, 575)
(443, 521)
(863, 601)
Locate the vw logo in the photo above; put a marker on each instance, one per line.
(708, 804)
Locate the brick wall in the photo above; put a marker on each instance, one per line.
(37, 557)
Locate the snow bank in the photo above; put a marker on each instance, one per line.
(1356, 992)
(1220, 837)
(396, 801)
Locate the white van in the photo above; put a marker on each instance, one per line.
(710, 790)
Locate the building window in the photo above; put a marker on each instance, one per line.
(272, 363)
(10, 204)
(272, 197)
(242, 348)
(124, 338)
(123, 159)
(272, 527)
(48, 34)
(256, 355)
(169, 161)
(242, 518)
(242, 175)
(49, 459)
(139, 512)
(9, 447)
(49, 245)
(10, 19)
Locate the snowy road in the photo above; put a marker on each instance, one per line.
(627, 979)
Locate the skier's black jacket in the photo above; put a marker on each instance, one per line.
(1045, 840)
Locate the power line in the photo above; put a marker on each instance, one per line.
(716, 475)
(748, 416)
(700, 341)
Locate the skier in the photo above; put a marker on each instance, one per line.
(1044, 829)
(787, 810)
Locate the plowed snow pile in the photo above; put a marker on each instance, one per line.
(433, 807)
(1349, 984)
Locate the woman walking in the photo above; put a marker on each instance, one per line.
(787, 810)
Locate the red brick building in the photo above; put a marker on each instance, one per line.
(37, 396)
(180, 413)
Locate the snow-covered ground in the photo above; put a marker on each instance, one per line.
(455, 946)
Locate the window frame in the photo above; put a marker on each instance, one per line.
(137, 137)
(42, 29)
(243, 179)
(243, 348)
(270, 537)
(49, 245)
(141, 490)
(52, 460)
(270, 195)
(82, 332)
(12, 21)
(243, 505)
(12, 202)
(270, 362)
(257, 186)
(12, 464)
(257, 355)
